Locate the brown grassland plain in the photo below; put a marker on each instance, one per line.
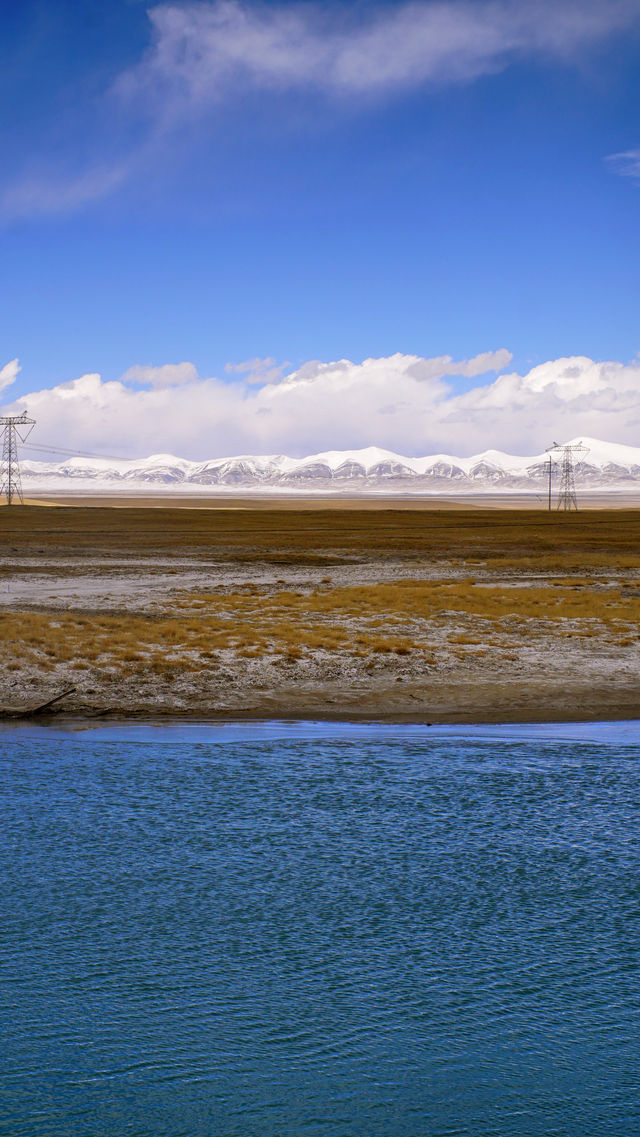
(398, 613)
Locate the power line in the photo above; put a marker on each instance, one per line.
(43, 449)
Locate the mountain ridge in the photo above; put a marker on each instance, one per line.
(606, 465)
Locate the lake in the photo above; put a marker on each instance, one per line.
(313, 929)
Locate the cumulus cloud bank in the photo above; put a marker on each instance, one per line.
(404, 403)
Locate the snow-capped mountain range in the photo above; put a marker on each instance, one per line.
(606, 465)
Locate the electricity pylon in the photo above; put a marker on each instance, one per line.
(10, 480)
(567, 491)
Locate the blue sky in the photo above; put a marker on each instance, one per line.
(219, 182)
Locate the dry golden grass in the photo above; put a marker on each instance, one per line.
(408, 601)
(504, 605)
(364, 621)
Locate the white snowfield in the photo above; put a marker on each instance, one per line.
(605, 466)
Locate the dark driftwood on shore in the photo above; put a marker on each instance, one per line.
(31, 712)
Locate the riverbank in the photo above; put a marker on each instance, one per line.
(464, 704)
(477, 616)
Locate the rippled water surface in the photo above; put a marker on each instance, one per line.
(320, 930)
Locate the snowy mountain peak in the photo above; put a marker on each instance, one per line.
(606, 465)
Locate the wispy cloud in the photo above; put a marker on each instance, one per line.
(206, 56)
(168, 375)
(49, 192)
(627, 163)
(201, 52)
(258, 371)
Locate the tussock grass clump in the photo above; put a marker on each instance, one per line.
(382, 605)
(364, 622)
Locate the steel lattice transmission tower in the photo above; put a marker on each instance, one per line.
(567, 492)
(10, 480)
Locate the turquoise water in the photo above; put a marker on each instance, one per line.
(306, 930)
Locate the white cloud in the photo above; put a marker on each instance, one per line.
(627, 163)
(9, 374)
(49, 191)
(486, 361)
(252, 365)
(209, 50)
(403, 402)
(469, 368)
(258, 370)
(169, 375)
(208, 54)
